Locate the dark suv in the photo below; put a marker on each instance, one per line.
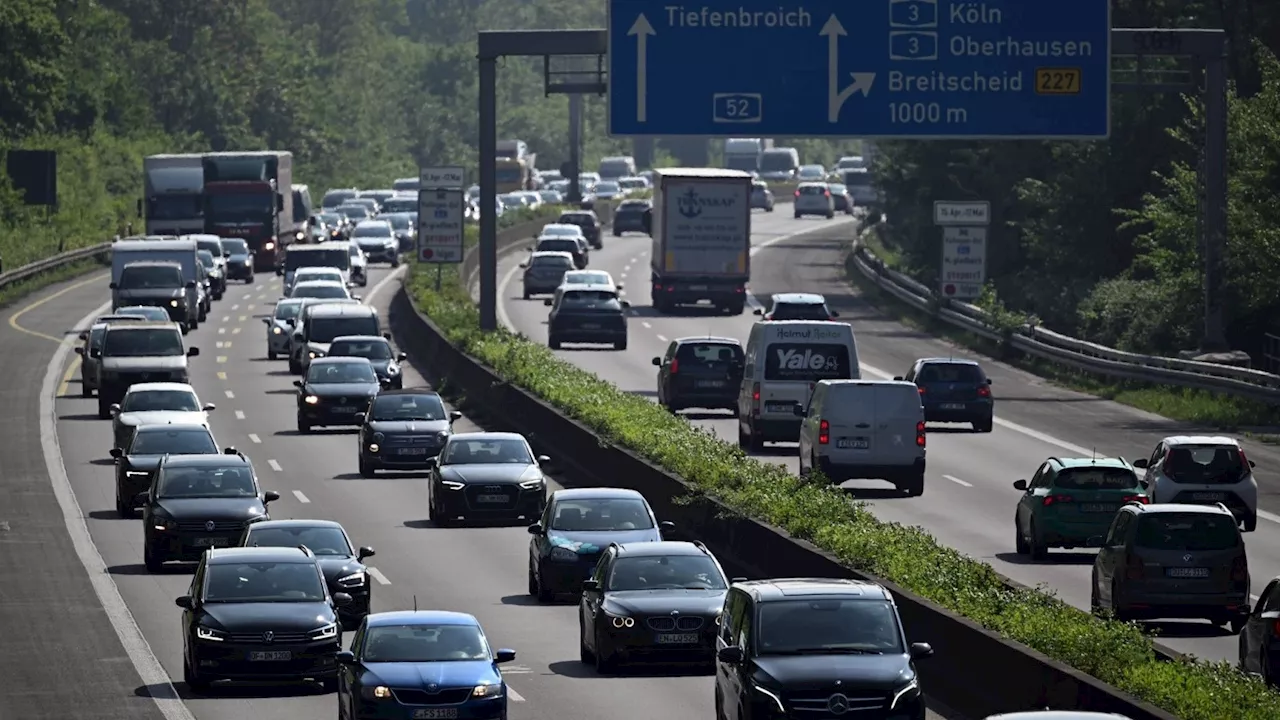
(590, 224)
(701, 372)
(629, 217)
(813, 647)
(954, 390)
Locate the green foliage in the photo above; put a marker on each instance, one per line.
(1114, 652)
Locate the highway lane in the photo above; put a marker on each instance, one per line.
(969, 501)
(480, 570)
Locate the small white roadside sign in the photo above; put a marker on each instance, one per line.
(440, 224)
(964, 262)
(450, 176)
(961, 212)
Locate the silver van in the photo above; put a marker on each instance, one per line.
(865, 429)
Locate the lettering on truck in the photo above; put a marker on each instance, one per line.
(807, 333)
(791, 359)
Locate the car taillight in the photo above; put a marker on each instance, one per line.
(675, 365)
(1056, 499)
(824, 432)
(797, 193)
(1137, 498)
(755, 400)
(1275, 629)
(1133, 567)
(826, 193)
(921, 390)
(920, 434)
(1240, 569)
(984, 391)
(1244, 461)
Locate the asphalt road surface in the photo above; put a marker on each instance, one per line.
(969, 499)
(92, 634)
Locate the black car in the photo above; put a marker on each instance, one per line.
(1259, 652)
(239, 259)
(137, 463)
(953, 390)
(816, 645)
(702, 372)
(342, 564)
(629, 217)
(403, 430)
(260, 614)
(486, 476)
(197, 502)
(651, 600)
(587, 314)
(843, 200)
(576, 527)
(334, 391)
(587, 220)
(378, 351)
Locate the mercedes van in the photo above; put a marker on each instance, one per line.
(865, 430)
(784, 360)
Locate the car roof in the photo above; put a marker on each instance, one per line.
(152, 263)
(1058, 715)
(316, 269)
(590, 287)
(141, 324)
(708, 339)
(660, 548)
(309, 248)
(420, 617)
(948, 361)
(348, 309)
(231, 556)
(371, 222)
(786, 588)
(1111, 462)
(576, 213)
(1176, 440)
(143, 387)
(318, 283)
(553, 253)
(206, 460)
(166, 427)
(798, 298)
(486, 436)
(409, 391)
(362, 338)
(812, 184)
(295, 523)
(598, 493)
(339, 360)
(1185, 508)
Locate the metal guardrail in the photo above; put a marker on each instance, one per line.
(52, 262)
(1078, 354)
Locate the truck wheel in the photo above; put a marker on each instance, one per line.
(617, 233)
(797, 216)
(553, 343)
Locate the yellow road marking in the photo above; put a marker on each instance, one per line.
(243, 318)
(222, 358)
(222, 376)
(235, 331)
(13, 319)
(66, 378)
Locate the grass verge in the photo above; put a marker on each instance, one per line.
(1225, 412)
(1116, 653)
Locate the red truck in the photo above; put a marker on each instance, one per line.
(249, 195)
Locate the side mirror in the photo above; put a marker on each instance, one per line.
(279, 202)
(758, 311)
(341, 599)
(524, 265)
(266, 321)
(84, 336)
(191, 284)
(731, 655)
(365, 552)
(297, 337)
(291, 322)
(95, 353)
(270, 496)
(1020, 485)
(535, 529)
(361, 418)
(192, 352)
(357, 297)
(113, 286)
(544, 459)
(228, 450)
(345, 657)
(897, 378)
(590, 585)
(116, 453)
(386, 336)
(114, 408)
(1253, 464)
(209, 406)
(547, 302)
(1094, 541)
(79, 350)
(646, 221)
(619, 286)
(624, 303)
(1141, 463)
(835, 314)
(657, 362)
(401, 357)
(990, 381)
(184, 602)
(431, 463)
(920, 651)
(297, 384)
(455, 415)
(504, 655)
(666, 526)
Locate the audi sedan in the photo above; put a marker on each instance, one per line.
(487, 476)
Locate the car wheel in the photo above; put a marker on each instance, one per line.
(1019, 542)
(295, 367)
(152, 559)
(1095, 606)
(395, 262)
(1251, 523)
(585, 656)
(526, 294)
(983, 426)
(769, 209)
(1118, 612)
(365, 470)
(617, 233)
(553, 343)
(85, 390)
(620, 345)
(329, 685)
(272, 355)
(915, 486)
(606, 662)
(304, 427)
(1038, 550)
(1237, 623)
(543, 593)
(123, 509)
(104, 407)
(192, 677)
(797, 216)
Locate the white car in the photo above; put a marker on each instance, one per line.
(321, 290)
(314, 274)
(280, 327)
(814, 198)
(157, 403)
(589, 277)
(359, 265)
(377, 238)
(1203, 470)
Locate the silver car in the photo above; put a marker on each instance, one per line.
(158, 403)
(814, 199)
(359, 265)
(280, 327)
(544, 272)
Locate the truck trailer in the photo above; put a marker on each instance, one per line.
(249, 195)
(701, 230)
(172, 199)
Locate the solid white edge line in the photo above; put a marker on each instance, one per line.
(275, 466)
(384, 282)
(301, 498)
(144, 660)
(376, 574)
(957, 481)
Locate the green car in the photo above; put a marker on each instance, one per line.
(1071, 499)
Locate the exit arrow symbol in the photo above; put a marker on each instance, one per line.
(862, 82)
(642, 30)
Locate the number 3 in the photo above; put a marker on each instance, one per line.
(915, 12)
(915, 43)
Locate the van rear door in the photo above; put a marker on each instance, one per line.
(898, 411)
(850, 412)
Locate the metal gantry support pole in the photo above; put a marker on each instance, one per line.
(575, 148)
(488, 194)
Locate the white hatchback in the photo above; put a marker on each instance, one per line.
(1203, 470)
(814, 199)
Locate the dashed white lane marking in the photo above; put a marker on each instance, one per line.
(235, 307)
(263, 296)
(246, 296)
(254, 437)
(255, 287)
(626, 268)
(301, 498)
(663, 338)
(275, 466)
(646, 325)
(952, 478)
(226, 318)
(243, 318)
(222, 375)
(222, 358)
(250, 308)
(222, 331)
(230, 395)
(235, 331)
(239, 414)
(376, 574)
(513, 695)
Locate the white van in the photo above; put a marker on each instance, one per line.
(784, 359)
(865, 429)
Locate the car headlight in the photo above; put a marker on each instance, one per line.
(906, 692)
(487, 691)
(777, 701)
(276, 331)
(163, 524)
(311, 400)
(393, 369)
(245, 261)
(269, 246)
(374, 447)
(208, 633)
(532, 484)
(173, 303)
(379, 437)
(355, 579)
(620, 621)
(300, 236)
(328, 632)
(380, 692)
(442, 436)
(453, 484)
(563, 555)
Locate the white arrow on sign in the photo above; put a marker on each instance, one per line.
(642, 30)
(862, 82)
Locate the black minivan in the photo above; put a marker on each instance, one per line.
(700, 372)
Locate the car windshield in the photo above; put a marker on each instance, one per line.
(486, 451)
(213, 246)
(400, 222)
(235, 247)
(580, 219)
(146, 313)
(633, 206)
(838, 189)
(148, 277)
(321, 291)
(206, 258)
(324, 330)
(287, 310)
(246, 207)
(963, 373)
(326, 257)
(607, 187)
(424, 644)
(373, 230)
(262, 582)
(172, 442)
(858, 179)
(317, 275)
(1186, 531)
(174, 207)
(207, 482)
(371, 349)
(143, 342)
(160, 400)
(552, 261)
(321, 540)
(588, 278)
(1205, 465)
(559, 245)
(1096, 478)
(813, 190)
(601, 514)
(828, 627)
(341, 373)
(712, 354)
(354, 212)
(666, 572)
(407, 407)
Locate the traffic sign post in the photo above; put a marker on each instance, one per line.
(964, 246)
(880, 69)
(440, 223)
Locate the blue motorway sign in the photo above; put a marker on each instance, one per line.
(878, 68)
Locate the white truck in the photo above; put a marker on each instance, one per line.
(172, 190)
(701, 230)
(744, 153)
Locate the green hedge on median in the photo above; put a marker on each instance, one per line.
(1117, 653)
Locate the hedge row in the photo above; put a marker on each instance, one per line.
(1114, 652)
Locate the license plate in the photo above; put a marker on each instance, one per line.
(1098, 507)
(271, 656)
(590, 326)
(212, 542)
(493, 498)
(697, 287)
(343, 409)
(952, 406)
(853, 443)
(710, 383)
(677, 639)
(779, 407)
(435, 713)
(411, 451)
(1185, 572)
(1209, 496)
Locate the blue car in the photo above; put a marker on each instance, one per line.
(411, 665)
(953, 390)
(575, 529)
